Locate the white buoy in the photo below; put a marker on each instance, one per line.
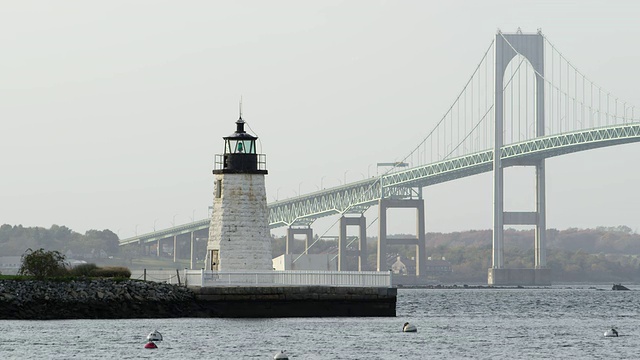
(611, 333)
(154, 336)
(409, 328)
(282, 355)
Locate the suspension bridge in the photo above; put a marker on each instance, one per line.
(523, 103)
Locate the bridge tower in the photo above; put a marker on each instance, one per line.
(531, 46)
(239, 237)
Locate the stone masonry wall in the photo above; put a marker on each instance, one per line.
(240, 223)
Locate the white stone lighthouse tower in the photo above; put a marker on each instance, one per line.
(239, 237)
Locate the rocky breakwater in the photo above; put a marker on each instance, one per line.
(93, 299)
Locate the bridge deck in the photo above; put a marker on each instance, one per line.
(358, 196)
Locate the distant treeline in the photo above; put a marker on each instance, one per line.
(600, 254)
(15, 240)
(574, 255)
(608, 240)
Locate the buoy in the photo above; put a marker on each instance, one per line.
(282, 355)
(154, 336)
(409, 328)
(611, 333)
(150, 345)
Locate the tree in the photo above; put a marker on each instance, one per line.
(42, 264)
(105, 240)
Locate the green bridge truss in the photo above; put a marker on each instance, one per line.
(358, 196)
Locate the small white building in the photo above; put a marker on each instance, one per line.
(319, 262)
(399, 267)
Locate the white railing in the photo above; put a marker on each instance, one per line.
(287, 278)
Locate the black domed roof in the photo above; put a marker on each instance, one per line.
(240, 133)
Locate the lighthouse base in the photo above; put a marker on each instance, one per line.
(295, 301)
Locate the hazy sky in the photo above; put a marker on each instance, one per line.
(112, 111)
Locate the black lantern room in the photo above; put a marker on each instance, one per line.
(240, 155)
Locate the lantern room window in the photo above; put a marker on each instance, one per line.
(240, 146)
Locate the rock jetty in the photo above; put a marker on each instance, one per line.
(93, 299)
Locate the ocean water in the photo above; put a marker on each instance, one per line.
(549, 323)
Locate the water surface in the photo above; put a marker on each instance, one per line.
(554, 323)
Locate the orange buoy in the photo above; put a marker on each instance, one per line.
(150, 345)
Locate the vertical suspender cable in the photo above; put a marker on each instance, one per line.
(584, 101)
(519, 99)
(575, 100)
(599, 109)
(478, 103)
(554, 98)
(470, 115)
(559, 123)
(591, 114)
(526, 102)
(454, 123)
(464, 117)
(608, 112)
(567, 100)
(511, 99)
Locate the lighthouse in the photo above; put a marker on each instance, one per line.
(239, 238)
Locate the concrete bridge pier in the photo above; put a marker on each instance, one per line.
(159, 248)
(361, 253)
(192, 257)
(175, 248)
(143, 247)
(292, 232)
(419, 241)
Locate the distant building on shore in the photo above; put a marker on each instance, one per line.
(404, 266)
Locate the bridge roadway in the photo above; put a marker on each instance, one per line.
(358, 196)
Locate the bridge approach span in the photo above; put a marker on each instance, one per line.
(358, 196)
